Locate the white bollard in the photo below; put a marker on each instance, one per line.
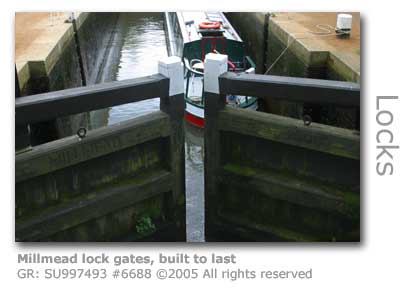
(71, 17)
(214, 66)
(172, 68)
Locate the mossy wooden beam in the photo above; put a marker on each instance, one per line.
(48, 106)
(239, 228)
(318, 137)
(298, 191)
(92, 206)
(294, 89)
(72, 150)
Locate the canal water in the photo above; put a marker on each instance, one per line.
(141, 43)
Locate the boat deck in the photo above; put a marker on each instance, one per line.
(193, 19)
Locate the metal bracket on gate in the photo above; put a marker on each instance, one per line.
(307, 120)
(82, 132)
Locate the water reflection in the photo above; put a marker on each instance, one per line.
(194, 183)
(143, 44)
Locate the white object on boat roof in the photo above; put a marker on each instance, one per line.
(198, 66)
(251, 70)
(214, 16)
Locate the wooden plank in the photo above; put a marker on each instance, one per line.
(22, 137)
(92, 206)
(213, 106)
(317, 137)
(72, 150)
(215, 65)
(172, 102)
(292, 189)
(307, 90)
(56, 104)
(234, 226)
(174, 106)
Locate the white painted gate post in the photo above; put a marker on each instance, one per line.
(173, 104)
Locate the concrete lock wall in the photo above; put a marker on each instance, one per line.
(60, 68)
(267, 36)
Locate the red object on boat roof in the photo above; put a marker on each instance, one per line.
(210, 25)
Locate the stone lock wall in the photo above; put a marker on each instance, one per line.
(266, 39)
(61, 70)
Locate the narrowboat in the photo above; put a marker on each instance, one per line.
(191, 35)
